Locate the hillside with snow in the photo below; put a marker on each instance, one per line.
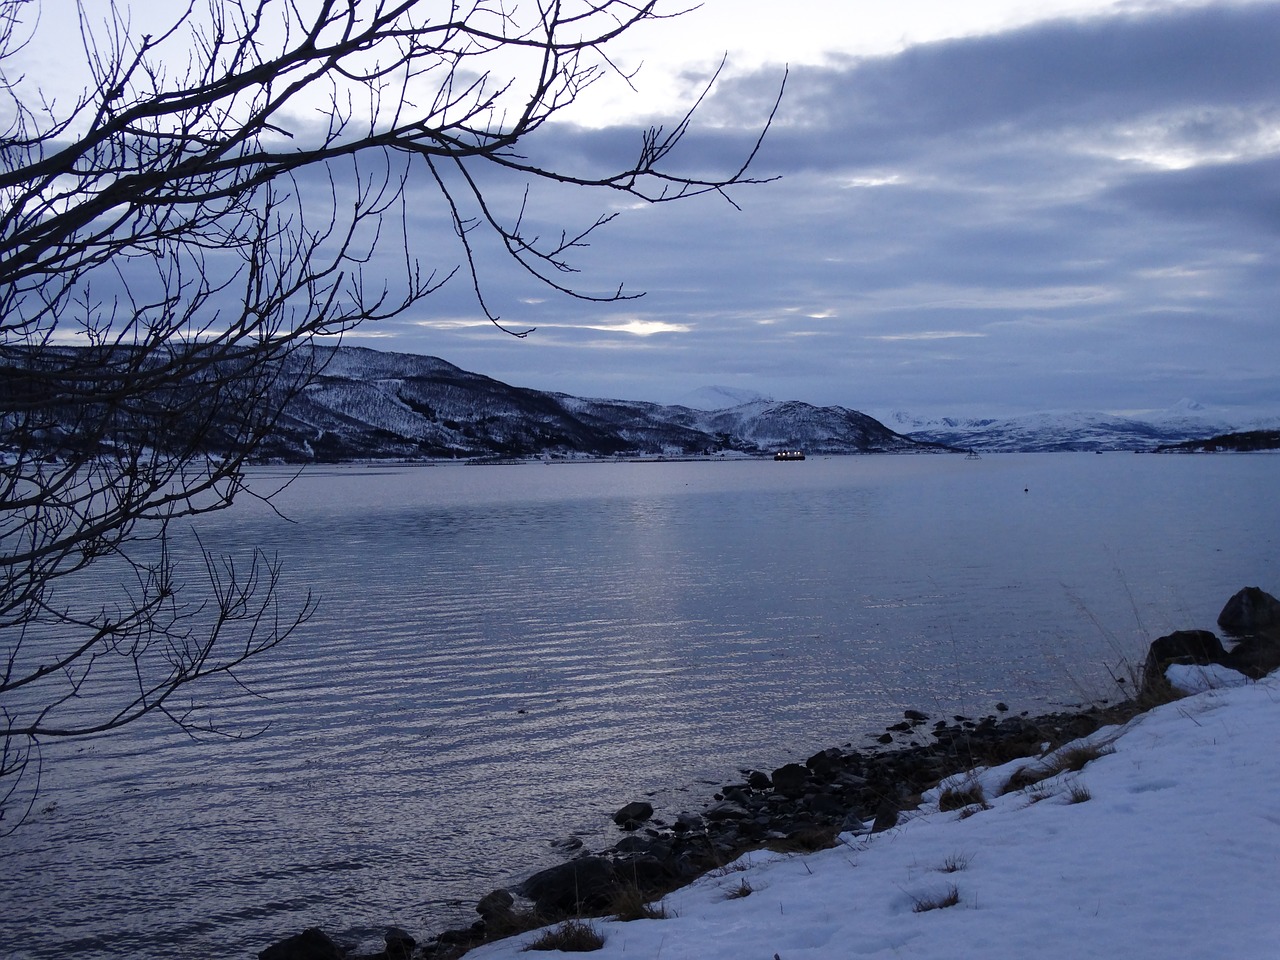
(366, 404)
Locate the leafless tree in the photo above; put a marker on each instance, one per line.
(213, 201)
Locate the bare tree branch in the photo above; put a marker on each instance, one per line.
(171, 243)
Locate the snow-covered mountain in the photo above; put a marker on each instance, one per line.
(369, 404)
(1077, 430)
(716, 397)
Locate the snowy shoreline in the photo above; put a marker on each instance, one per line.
(1164, 844)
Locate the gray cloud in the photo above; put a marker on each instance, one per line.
(1079, 214)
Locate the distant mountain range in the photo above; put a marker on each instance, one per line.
(368, 404)
(1044, 432)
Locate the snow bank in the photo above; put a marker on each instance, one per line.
(1166, 846)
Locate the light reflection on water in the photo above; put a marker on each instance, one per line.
(505, 655)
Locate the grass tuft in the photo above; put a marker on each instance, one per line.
(1075, 758)
(968, 795)
(572, 936)
(925, 904)
(629, 903)
(1025, 777)
(743, 889)
(1078, 793)
(1071, 760)
(954, 864)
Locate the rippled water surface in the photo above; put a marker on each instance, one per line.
(503, 656)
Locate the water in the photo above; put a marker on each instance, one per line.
(503, 656)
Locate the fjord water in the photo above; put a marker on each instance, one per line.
(502, 656)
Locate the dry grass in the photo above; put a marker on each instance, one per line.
(1072, 760)
(572, 936)
(1075, 758)
(966, 795)
(1025, 777)
(925, 904)
(1078, 793)
(954, 864)
(630, 903)
(513, 922)
(743, 889)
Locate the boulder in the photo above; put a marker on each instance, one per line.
(1249, 612)
(791, 779)
(633, 814)
(310, 944)
(725, 810)
(399, 943)
(648, 874)
(1256, 656)
(573, 887)
(687, 822)
(824, 762)
(495, 907)
(1184, 646)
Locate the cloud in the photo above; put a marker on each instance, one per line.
(1076, 213)
(928, 335)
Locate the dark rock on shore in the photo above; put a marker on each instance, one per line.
(633, 815)
(1184, 647)
(1255, 656)
(1251, 616)
(577, 886)
(310, 944)
(1249, 612)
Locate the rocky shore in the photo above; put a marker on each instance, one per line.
(805, 806)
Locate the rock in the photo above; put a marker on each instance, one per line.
(915, 716)
(1256, 656)
(632, 844)
(647, 873)
(737, 795)
(686, 822)
(310, 944)
(1251, 610)
(725, 810)
(757, 780)
(495, 907)
(400, 944)
(791, 779)
(886, 816)
(827, 805)
(567, 888)
(824, 761)
(1181, 646)
(633, 814)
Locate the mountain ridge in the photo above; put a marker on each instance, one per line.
(366, 404)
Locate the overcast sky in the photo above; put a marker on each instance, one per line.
(981, 208)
